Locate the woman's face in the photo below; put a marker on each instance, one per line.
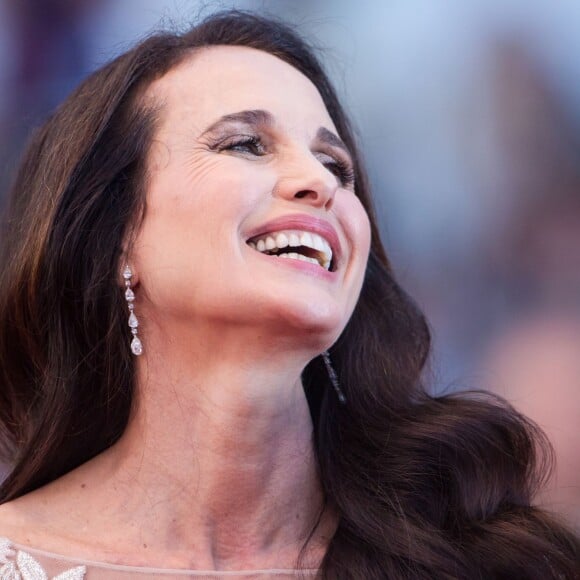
(251, 218)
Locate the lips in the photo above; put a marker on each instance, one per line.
(299, 237)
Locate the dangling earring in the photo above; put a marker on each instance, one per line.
(332, 376)
(136, 346)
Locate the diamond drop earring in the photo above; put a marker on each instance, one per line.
(136, 346)
(332, 376)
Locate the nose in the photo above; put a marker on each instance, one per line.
(306, 180)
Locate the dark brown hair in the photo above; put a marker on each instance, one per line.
(426, 487)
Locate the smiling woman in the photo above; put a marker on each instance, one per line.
(207, 366)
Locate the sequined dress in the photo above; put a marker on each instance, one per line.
(25, 563)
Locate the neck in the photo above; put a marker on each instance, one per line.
(218, 458)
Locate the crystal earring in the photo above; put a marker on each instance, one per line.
(136, 346)
(332, 376)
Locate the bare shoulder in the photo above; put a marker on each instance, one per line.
(58, 518)
(21, 522)
(41, 519)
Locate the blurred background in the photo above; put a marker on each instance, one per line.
(469, 115)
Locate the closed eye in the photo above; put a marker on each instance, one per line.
(343, 170)
(243, 144)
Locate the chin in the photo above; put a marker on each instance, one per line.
(316, 326)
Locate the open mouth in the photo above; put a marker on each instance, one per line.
(295, 245)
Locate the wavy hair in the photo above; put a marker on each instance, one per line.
(425, 487)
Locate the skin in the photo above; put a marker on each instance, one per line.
(217, 469)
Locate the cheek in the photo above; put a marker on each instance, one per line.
(357, 227)
(192, 222)
(200, 197)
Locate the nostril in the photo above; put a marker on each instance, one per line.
(301, 194)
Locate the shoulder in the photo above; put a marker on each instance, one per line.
(19, 524)
(43, 522)
(22, 563)
(38, 520)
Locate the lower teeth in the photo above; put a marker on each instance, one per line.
(294, 256)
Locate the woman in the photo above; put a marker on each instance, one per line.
(206, 188)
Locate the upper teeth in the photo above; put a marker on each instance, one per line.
(295, 239)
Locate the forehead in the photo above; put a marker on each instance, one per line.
(220, 80)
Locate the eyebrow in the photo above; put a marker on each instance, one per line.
(259, 117)
(330, 138)
(256, 117)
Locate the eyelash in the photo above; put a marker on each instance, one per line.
(343, 171)
(254, 145)
(251, 142)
